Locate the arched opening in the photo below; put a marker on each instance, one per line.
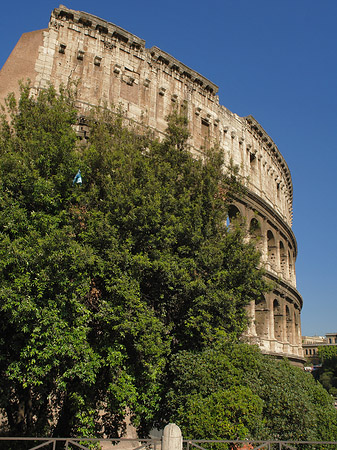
(252, 160)
(278, 319)
(283, 259)
(233, 214)
(261, 318)
(289, 322)
(271, 248)
(255, 228)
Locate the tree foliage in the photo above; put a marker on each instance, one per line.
(327, 374)
(232, 391)
(102, 283)
(328, 354)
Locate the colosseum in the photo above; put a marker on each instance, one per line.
(113, 66)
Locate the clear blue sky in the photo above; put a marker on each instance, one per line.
(276, 60)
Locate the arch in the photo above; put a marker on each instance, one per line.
(261, 318)
(271, 247)
(255, 233)
(252, 160)
(278, 320)
(233, 212)
(255, 227)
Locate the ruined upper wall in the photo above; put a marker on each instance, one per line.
(116, 34)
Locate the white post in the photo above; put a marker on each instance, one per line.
(172, 438)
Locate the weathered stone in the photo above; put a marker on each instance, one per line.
(172, 438)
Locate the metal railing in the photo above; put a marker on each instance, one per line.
(206, 444)
(34, 443)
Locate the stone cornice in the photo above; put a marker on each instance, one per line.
(294, 359)
(94, 23)
(281, 283)
(182, 69)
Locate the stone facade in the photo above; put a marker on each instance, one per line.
(112, 66)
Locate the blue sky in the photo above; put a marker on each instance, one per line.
(276, 60)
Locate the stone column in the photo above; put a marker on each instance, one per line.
(271, 328)
(284, 320)
(293, 327)
(285, 264)
(277, 256)
(264, 246)
(251, 315)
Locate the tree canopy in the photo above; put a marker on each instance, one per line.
(232, 391)
(101, 283)
(327, 373)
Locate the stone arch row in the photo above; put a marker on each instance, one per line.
(277, 251)
(275, 322)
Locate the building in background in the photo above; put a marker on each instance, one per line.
(311, 344)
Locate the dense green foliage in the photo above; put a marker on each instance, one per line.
(233, 391)
(102, 283)
(327, 374)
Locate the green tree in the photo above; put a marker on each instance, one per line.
(232, 391)
(327, 374)
(102, 283)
